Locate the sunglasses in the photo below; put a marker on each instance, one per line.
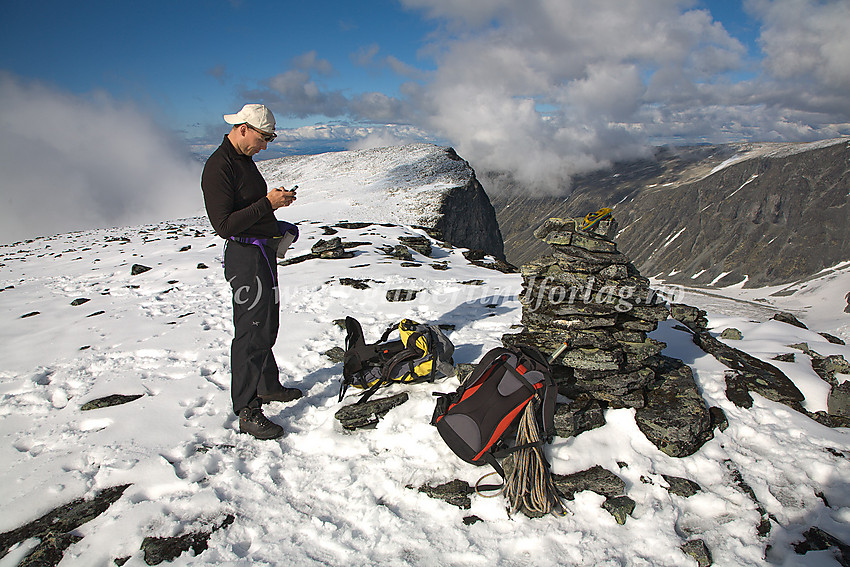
(264, 135)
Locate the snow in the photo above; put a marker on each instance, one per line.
(323, 496)
(403, 183)
(718, 278)
(774, 149)
(747, 182)
(674, 237)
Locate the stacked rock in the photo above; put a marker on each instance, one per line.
(589, 296)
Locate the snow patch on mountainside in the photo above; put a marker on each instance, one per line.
(775, 150)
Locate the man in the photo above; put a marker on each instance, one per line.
(241, 210)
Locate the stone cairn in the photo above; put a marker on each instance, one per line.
(589, 295)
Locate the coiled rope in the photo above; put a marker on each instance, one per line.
(529, 486)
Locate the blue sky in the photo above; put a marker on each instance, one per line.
(544, 89)
(190, 59)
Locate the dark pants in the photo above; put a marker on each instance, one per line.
(255, 320)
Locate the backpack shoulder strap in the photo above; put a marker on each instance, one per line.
(488, 359)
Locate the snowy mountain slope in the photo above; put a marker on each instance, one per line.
(401, 184)
(323, 496)
(417, 185)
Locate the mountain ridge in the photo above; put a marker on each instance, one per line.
(748, 214)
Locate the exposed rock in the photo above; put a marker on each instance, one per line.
(752, 374)
(828, 366)
(367, 414)
(578, 416)
(202, 266)
(481, 259)
(681, 486)
(588, 298)
(731, 334)
(354, 282)
(737, 389)
(675, 417)
(399, 252)
(838, 403)
(692, 317)
(832, 338)
(774, 204)
(80, 301)
(818, 540)
(352, 225)
(331, 249)
(419, 243)
(52, 528)
(596, 479)
(138, 269)
(50, 550)
(763, 529)
(108, 401)
(455, 492)
(401, 295)
(159, 549)
(336, 354)
(30, 314)
(789, 318)
(697, 549)
(432, 188)
(620, 507)
(718, 418)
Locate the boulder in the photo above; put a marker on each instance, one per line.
(675, 417)
(596, 479)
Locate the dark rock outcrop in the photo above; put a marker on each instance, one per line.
(750, 373)
(53, 528)
(160, 549)
(367, 414)
(677, 433)
(109, 401)
(596, 479)
(455, 492)
(816, 539)
(697, 549)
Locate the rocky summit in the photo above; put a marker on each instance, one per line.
(587, 306)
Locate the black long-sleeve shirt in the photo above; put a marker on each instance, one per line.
(235, 195)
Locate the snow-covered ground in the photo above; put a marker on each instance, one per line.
(324, 496)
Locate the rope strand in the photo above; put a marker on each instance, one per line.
(529, 485)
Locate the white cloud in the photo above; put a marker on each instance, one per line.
(71, 163)
(806, 39)
(550, 88)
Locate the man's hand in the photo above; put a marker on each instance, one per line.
(280, 197)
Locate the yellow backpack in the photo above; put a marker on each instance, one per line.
(421, 354)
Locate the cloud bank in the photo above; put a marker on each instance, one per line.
(551, 88)
(71, 163)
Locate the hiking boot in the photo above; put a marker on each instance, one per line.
(254, 423)
(284, 395)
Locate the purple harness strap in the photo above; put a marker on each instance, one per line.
(262, 243)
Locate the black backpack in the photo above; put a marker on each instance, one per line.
(479, 420)
(421, 354)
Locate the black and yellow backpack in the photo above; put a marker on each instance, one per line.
(421, 354)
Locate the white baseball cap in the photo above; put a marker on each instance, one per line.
(256, 115)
